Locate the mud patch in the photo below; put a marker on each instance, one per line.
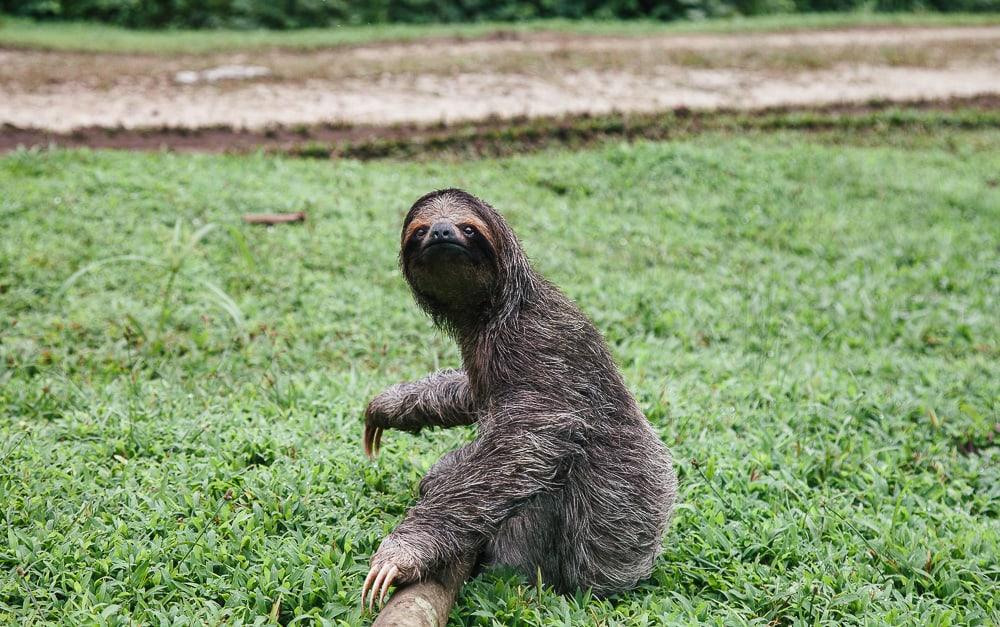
(496, 136)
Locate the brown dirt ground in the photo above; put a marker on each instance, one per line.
(528, 75)
(493, 136)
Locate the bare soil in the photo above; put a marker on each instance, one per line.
(503, 136)
(527, 75)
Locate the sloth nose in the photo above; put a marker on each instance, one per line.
(443, 232)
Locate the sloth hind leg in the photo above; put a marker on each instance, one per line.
(529, 542)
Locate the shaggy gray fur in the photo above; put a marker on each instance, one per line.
(566, 476)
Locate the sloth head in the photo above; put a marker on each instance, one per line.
(459, 256)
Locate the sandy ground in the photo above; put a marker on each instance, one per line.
(531, 75)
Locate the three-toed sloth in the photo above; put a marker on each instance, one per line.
(566, 477)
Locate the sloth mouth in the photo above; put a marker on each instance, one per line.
(445, 248)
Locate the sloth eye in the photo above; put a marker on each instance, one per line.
(420, 232)
(469, 231)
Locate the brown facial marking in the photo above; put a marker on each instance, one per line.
(458, 215)
(413, 227)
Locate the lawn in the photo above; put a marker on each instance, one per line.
(91, 37)
(812, 327)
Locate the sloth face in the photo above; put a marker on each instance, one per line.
(448, 254)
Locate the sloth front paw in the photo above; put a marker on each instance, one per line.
(391, 564)
(387, 411)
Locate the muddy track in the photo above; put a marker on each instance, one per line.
(537, 75)
(496, 137)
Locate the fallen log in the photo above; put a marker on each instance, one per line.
(270, 219)
(425, 603)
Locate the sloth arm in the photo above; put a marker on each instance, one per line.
(442, 399)
(524, 454)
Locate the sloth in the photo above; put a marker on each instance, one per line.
(566, 479)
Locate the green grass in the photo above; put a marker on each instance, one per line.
(812, 328)
(91, 37)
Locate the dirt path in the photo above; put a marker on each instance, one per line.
(500, 137)
(533, 75)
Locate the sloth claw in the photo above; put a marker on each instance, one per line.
(364, 588)
(372, 440)
(377, 582)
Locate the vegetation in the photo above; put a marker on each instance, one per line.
(813, 329)
(93, 37)
(311, 13)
